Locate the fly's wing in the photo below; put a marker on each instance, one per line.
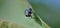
(26, 12)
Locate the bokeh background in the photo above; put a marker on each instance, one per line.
(12, 15)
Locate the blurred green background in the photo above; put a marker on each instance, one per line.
(13, 11)
(48, 10)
